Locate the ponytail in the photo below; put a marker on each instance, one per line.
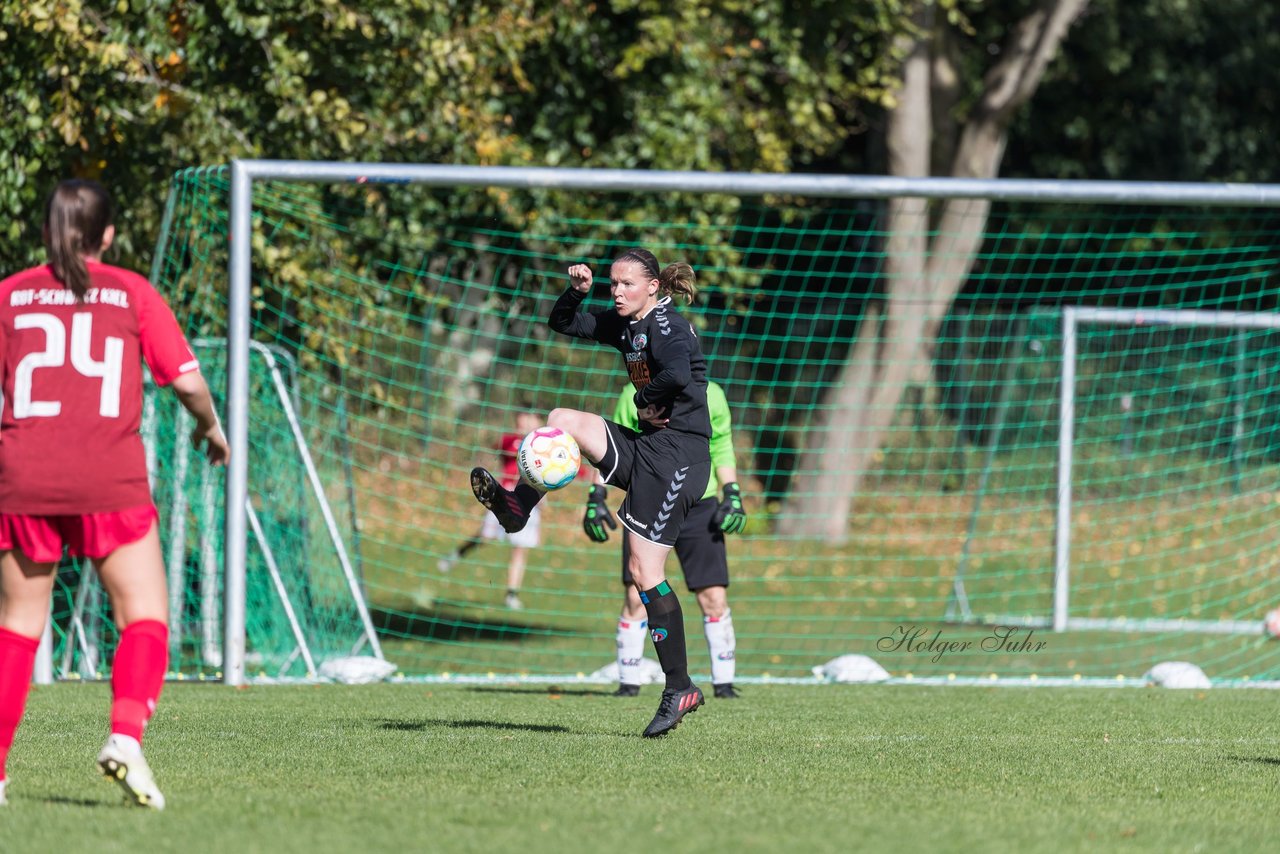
(678, 280)
(76, 217)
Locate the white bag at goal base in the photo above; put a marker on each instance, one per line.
(1177, 674)
(851, 668)
(356, 669)
(650, 672)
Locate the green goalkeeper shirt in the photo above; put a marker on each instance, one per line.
(721, 437)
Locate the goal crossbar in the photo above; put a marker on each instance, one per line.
(244, 173)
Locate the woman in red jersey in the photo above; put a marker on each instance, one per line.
(73, 336)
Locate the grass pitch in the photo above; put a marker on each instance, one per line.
(787, 768)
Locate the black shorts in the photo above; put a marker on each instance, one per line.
(700, 548)
(664, 475)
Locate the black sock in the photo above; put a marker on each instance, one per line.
(666, 627)
(527, 496)
(467, 546)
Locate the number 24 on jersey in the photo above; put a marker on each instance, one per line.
(55, 354)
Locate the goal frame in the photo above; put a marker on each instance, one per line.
(245, 172)
(1072, 318)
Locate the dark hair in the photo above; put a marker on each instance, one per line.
(75, 218)
(675, 280)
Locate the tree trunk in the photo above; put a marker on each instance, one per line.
(922, 279)
(821, 493)
(474, 341)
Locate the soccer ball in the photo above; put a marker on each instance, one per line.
(548, 459)
(1271, 623)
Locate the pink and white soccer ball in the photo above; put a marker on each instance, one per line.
(1271, 623)
(548, 459)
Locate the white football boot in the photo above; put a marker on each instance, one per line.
(121, 760)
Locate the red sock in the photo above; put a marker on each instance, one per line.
(17, 660)
(137, 675)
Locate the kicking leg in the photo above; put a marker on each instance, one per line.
(512, 506)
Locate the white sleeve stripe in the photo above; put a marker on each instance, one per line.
(193, 365)
(641, 534)
(616, 456)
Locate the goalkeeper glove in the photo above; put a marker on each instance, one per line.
(730, 517)
(598, 515)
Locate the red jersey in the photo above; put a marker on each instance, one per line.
(72, 384)
(509, 448)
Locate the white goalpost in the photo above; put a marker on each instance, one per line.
(244, 174)
(1072, 319)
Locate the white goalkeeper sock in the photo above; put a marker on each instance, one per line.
(722, 647)
(630, 650)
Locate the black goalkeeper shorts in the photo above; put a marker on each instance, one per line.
(664, 475)
(700, 549)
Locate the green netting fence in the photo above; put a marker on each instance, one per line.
(399, 329)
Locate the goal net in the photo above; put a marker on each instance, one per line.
(400, 327)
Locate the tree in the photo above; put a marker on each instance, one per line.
(134, 91)
(1160, 90)
(922, 275)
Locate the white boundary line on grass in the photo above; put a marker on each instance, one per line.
(968, 681)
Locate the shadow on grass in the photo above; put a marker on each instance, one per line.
(1256, 760)
(546, 689)
(64, 801)
(440, 625)
(418, 725)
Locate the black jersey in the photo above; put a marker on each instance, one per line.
(664, 360)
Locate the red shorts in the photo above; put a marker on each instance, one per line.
(91, 535)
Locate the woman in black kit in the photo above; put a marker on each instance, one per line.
(664, 467)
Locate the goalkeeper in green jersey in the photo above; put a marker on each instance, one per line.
(699, 547)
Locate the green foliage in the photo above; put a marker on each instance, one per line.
(131, 93)
(1158, 90)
